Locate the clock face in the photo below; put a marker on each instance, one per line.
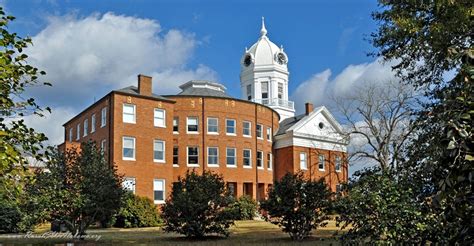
(248, 60)
(281, 58)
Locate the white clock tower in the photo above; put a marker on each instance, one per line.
(264, 75)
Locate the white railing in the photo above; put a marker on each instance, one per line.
(276, 102)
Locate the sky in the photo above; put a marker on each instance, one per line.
(90, 47)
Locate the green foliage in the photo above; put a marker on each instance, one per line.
(298, 205)
(137, 211)
(198, 206)
(376, 208)
(10, 218)
(244, 208)
(16, 139)
(80, 187)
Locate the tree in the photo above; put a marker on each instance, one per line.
(429, 39)
(137, 212)
(379, 208)
(80, 186)
(198, 206)
(17, 141)
(297, 205)
(380, 116)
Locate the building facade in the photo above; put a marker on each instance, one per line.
(153, 139)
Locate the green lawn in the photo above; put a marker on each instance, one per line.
(244, 232)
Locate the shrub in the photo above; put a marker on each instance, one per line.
(297, 205)
(137, 212)
(244, 208)
(10, 217)
(198, 205)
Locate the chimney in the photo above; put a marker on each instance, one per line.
(309, 108)
(144, 85)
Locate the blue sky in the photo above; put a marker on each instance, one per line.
(91, 47)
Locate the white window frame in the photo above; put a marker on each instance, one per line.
(265, 91)
(103, 117)
(134, 149)
(250, 129)
(86, 127)
(338, 162)
(269, 134)
(176, 123)
(235, 127)
(70, 134)
(133, 185)
(217, 125)
(134, 114)
(215, 164)
(269, 161)
(93, 123)
(250, 158)
(155, 118)
(323, 162)
(176, 164)
(303, 161)
(187, 156)
(197, 125)
(261, 131)
(164, 191)
(164, 151)
(227, 156)
(103, 146)
(261, 160)
(78, 131)
(249, 92)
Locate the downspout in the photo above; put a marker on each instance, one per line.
(204, 151)
(256, 142)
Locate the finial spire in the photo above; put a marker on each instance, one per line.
(263, 31)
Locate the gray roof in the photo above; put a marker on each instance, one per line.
(133, 90)
(289, 122)
(203, 88)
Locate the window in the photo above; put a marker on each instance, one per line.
(231, 157)
(129, 184)
(269, 134)
(230, 127)
(70, 134)
(159, 117)
(175, 156)
(303, 161)
(269, 161)
(158, 151)
(260, 159)
(264, 90)
(193, 156)
(247, 161)
(338, 188)
(93, 123)
(280, 90)
(175, 125)
(86, 127)
(212, 156)
(231, 188)
(103, 117)
(259, 131)
(103, 147)
(321, 162)
(192, 124)
(338, 164)
(128, 113)
(249, 92)
(128, 152)
(78, 131)
(159, 190)
(212, 126)
(247, 129)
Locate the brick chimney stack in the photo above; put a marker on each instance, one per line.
(309, 108)
(144, 85)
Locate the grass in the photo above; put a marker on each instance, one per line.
(244, 232)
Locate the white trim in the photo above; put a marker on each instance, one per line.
(164, 191)
(324, 163)
(270, 160)
(340, 164)
(164, 117)
(305, 167)
(164, 151)
(212, 165)
(187, 156)
(269, 136)
(93, 123)
(261, 131)
(134, 149)
(134, 121)
(250, 129)
(86, 127)
(235, 157)
(286, 140)
(313, 114)
(197, 124)
(235, 127)
(103, 117)
(250, 158)
(176, 118)
(207, 126)
(261, 160)
(133, 184)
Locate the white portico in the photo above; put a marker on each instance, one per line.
(264, 75)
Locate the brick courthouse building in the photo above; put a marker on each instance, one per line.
(152, 139)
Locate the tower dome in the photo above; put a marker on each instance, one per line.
(264, 53)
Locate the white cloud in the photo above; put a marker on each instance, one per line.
(321, 87)
(51, 124)
(86, 57)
